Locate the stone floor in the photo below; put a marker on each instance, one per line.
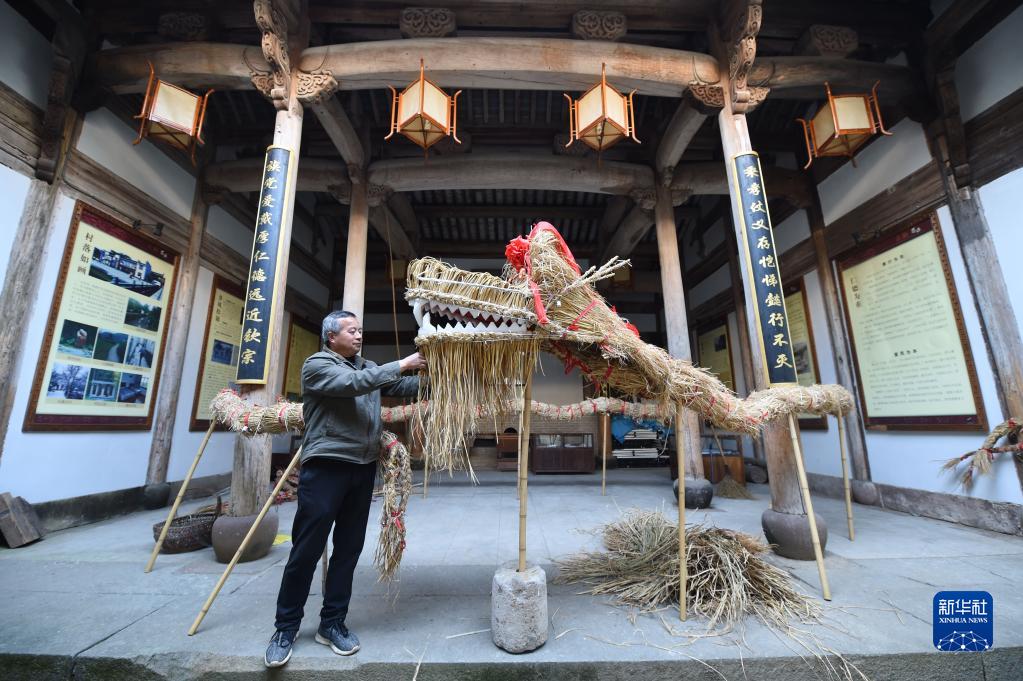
(77, 605)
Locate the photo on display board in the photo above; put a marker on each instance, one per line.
(140, 352)
(127, 272)
(142, 315)
(801, 357)
(111, 346)
(224, 353)
(76, 339)
(67, 381)
(133, 389)
(102, 385)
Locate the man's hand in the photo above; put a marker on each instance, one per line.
(413, 362)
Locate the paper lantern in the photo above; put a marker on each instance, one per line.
(423, 112)
(843, 125)
(602, 116)
(173, 115)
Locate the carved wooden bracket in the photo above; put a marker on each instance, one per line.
(828, 41)
(62, 80)
(738, 27)
(277, 84)
(595, 25)
(341, 192)
(186, 26)
(427, 22)
(315, 86)
(645, 198)
(213, 195)
(957, 161)
(377, 194)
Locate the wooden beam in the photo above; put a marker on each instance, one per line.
(197, 66)
(402, 208)
(804, 77)
(511, 64)
(683, 126)
(548, 213)
(962, 24)
(629, 233)
(510, 171)
(339, 128)
(387, 225)
(614, 212)
(314, 175)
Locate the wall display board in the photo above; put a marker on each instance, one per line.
(910, 348)
(714, 353)
(99, 366)
(219, 362)
(804, 354)
(303, 341)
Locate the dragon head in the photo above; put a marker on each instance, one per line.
(481, 334)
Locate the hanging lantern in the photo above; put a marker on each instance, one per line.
(843, 126)
(173, 115)
(602, 116)
(423, 112)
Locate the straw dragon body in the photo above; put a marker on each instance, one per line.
(477, 330)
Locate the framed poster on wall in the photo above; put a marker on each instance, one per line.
(303, 341)
(99, 365)
(804, 353)
(910, 349)
(714, 352)
(219, 362)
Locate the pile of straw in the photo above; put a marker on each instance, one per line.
(980, 461)
(396, 473)
(727, 577)
(230, 410)
(730, 488)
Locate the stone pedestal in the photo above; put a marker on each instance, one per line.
(699, 492)
(229, 531)
(790, 534)
(518, 608)
(155, 496)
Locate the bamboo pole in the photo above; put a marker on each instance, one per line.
(606, 425)
(845, 481)
(245, 542)
(808, 506)
(683, 569)
(524, 466)
(426, 473)
(181, 495)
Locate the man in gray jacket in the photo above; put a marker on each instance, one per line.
(341, 405)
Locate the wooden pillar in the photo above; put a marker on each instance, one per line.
(353, 297)
(25, 268)
(739, 301)
(677, 327)
(836, 333)
(174, 360)
(785, 495)
(251, 474)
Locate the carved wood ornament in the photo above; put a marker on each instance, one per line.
(740, 28)
(310, 87)
(427, 22)
(595, 25)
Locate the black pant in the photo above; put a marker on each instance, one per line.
(330, 492)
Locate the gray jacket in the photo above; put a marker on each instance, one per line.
(341, 405)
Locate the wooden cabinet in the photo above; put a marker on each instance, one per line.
(508, 452)
(567, 453)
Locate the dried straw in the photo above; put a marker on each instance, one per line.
(730, 488)
(396, 473)
(728, 578)
(981, 461)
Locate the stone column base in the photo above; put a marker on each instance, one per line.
(518, 608)
(789, 533)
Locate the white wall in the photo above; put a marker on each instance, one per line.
(46, 466)
(13, 190)
(987, 72)
(25, 57)
(1000, 200)
(108, 141)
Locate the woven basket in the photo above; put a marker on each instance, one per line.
(189, 532)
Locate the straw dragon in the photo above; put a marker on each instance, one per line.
(479, 331)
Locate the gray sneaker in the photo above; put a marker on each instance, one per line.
(279, 651)
(336, 635)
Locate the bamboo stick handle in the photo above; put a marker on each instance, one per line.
(606, 425)
(808, 506)
(683, 569)
(245, 543)
(845, 481)
(180, 497)
(426, 473)
(527, 399)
